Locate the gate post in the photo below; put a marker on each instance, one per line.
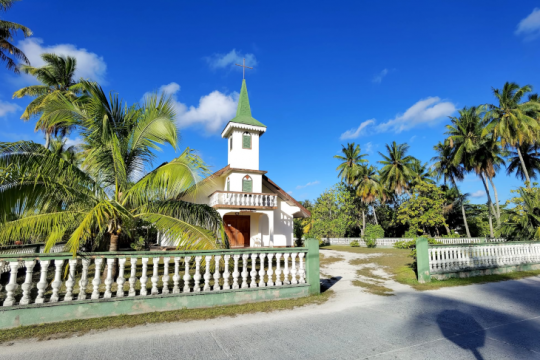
(312, 267)
(422, 260)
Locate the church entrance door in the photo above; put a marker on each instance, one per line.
(237, 228)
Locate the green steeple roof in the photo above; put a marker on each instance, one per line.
(243, 112)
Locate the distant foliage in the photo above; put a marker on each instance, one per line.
(412, 243)
(371, 243)
(355, 243)
(374, 231)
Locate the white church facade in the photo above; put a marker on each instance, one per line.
(256, 212)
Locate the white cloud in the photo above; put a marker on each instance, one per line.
(377, 79)
(222, 61)
(354, 133)
(530, 26)
(74, 142)
(308, 184)
(411, 140)
(89, 65)
(6, 108)
(368, 148)
(212, 113)
(289, 192)
(478, 194)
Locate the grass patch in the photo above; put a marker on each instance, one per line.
(368, 272)
(325, 260)
(373, 288)
(79, 327)
(399, 265)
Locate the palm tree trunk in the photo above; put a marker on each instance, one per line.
(496, 201)
(363, 223)
(113, 246)
(462, 211)
(523, 167)
(375, 215)
(47, 139)
(447, 229)
(465, 220)
(489, 205)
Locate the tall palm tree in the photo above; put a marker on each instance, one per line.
(445, 168)
(465, 137)
(511, 119)
(8, 31)
(531, 158)
(351, 158)
(368, 188)
(55, 199)
(56, 78)
(397, 172)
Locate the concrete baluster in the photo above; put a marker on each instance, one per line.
(262, 272)
(109, 279)
(12, 285)
(132, 276)
(144, 277)
(187, 277)
(83, 282)
(301, 271)
(278, 269)
(226, 273)
(165, 277)
(270, 271)
(57, 280)
(97, 278)
(207, 274)
(236, 273)
(197, 276)
(293, 269)
(286, 270)
(217, 275)
(253, 272)
(176, 276)
(155, 276)
(120, 280)
(70, 281)
(244, 271)
(27, 282)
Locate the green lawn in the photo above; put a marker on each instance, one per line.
(399, 265)
(78, 327)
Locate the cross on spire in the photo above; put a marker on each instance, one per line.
(244, 68)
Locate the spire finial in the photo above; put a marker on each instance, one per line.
(244, 68)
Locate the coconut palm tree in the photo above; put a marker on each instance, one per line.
(511, 119)
(56, 77)
(422, 173)
(8, 31)
(368, 188)
(446, 169)
(522, 222)
(397, 171)
(351, 158)
(55, 199)
(531, 158)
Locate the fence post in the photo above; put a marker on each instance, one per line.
(312, 266)
(422, 260)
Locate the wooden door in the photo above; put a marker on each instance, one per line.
(237, 228)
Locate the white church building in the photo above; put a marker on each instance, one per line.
(256, 212)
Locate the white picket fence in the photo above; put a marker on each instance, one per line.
(450, 259)
(389, 242)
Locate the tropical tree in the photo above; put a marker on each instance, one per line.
(445, 168)
(522, 220)
(531, 158)
(511, 119)
(422, 173)
(397, 171)
(69, 153)
(351, 158)
(54, 199)
(368, 189)
(56, 78)
(8, 31)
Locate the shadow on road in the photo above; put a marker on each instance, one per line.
(472, 341)
(328, 283)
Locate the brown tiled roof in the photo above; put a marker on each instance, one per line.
(304, 211)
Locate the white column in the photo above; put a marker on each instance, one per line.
(236, 273)
(27, 282)
(155, 277)
(57, 280)
(144, 277)
(84, 279)
(207, 274)
(244, 271)
(176, 276)
(12, 285)
(302, 271)
(286, 270)
(293, 270)
(132, 277)
(120, 279)
(109, 279)
(187, 277)
(262, 272)
(42, 284)
(270, 270)
(197, 276)
(70, 281)
(278, 269)
(165, 277)
(226, 273)
(217, 275)
(253, 272)
(97, 278)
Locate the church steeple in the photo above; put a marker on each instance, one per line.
(243, 112)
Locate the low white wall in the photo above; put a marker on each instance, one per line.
(389, 242)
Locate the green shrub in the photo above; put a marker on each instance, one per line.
(374, 231)
(412, 243)
(371, 242)
(355, 243)
(451, 236)
(411, 233)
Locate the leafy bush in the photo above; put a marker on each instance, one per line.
(374, 231)
(412, 243)
(451, 236)
(371, 242)
(411, 233)
(139, 245)
(354, 243)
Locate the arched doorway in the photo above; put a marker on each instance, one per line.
(237, 228)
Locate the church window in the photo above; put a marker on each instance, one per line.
(246, 141)
(247, 184)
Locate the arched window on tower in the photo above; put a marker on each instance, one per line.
(228, 184)
(246, 140)
(247, 184)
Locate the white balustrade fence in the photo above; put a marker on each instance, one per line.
(449, 259)
(389, 242)
(41, 279)
(27, 249)
(243, 199)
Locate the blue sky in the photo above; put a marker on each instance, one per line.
(325, 73)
